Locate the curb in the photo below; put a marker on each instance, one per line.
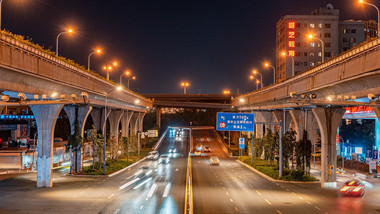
(275, 180)
(122, 170)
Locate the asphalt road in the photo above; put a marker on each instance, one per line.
(159, 189)
(233, 188)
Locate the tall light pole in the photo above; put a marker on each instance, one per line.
(105, 125)
(108, 69)
(133, 78)
(126, 73)
(185, 85)
(322, 44)
(1, 4)
(89, 58)
(378, 15)
(274, 71)
(253, 78)
(284, 55)
(56, 45)
(254, 71)
(257, 84)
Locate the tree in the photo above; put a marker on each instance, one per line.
(93, 137)
(75, 142)
(288, 145)
(303, 153)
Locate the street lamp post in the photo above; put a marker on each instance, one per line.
(378, 15)
(108, 69)
(105, 126)
(274, 71)
(134, 77)
(185, 85)
(254, 71)
(126, 73)
(322, 44)
(89, 58)
(56, 47)
(284, 54)
(257, 84)
(1, 4)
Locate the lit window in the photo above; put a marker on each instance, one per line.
(291, 34)
(292, 44)
(312, 44)
(319, 54)
(311, 63)
(320, 25)
(292, 53)
(312, 25)
(292, 25)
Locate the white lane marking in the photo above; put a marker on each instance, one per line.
(308, 202)
(317, 208)
(288, 190)
(130, 177)
(167, 190)
(129, 183)
(224, 188)
(300, 197)
(278, 211)
(116, 211)
(227, 193)
(294, 193)
(142, 183)
(258, 192)
(142, 206)
(109, 197)
(138, 172)
(149, 172)
(151, 191)
(237, 210)
(268, 201)
(232, 201)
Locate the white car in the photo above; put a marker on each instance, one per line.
(164, 159)
(214, 160)
(153, 155)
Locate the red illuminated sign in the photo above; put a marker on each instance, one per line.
(292, 25)
(292, 35)
(292, 53)
(359, 110)
(292, 44)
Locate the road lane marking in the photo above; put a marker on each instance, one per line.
(300, 197)
(317, 208)
(237, 210)
(142, 183)
(149, 172)
(258, 192)
(278, 211)
(166, 191)
(224, 188)
(232, 201)
(116, 211)
(268, 201)
(142, 206)
(227, 193)
(308, 202)
(109, 197)
(151, 191)
(294, 193)
(288, 190)
(129, 183)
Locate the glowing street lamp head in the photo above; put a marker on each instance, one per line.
(98, 51)
(119, 88)
(114, 63)
(266, 64)
(226, 91)
(257, 81)
(185, 84)
(134, 77)
(283, 53)
(361, 1)
(254, 71)
(127, 73)
(310, 36)
(251, 77)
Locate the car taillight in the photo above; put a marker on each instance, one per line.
(344, 189)
(357, 189)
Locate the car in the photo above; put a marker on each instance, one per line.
(353, 188)
(214, 160)
(172, 150)
(164, 159)
(207, 149)
(153, 155)
(199, 147)
(197, 153)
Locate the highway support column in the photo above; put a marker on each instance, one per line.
(114, 118)
(284, 116)
(158, 117)
(259, 128)
(329, 119)
(141, 121)
(134, 123)
(83, 112)
(46, 118)
(125, 121)
(269, 118)
(98, 118)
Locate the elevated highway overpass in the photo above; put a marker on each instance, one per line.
(315, 99)
(30, 76)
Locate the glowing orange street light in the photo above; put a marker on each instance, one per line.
(284, 55)
(378, 14)
(310, 36)
(108, 69)
(267, 65)
(257, 84)
(254, 71)
(133, 78)
(126, 73)
(56, 47)
(226, 91)
(185, 85)
(98, 51)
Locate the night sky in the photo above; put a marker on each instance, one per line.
(213, 44)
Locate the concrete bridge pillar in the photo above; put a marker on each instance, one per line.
(269, 118)
(141, 121)
(259, 128)
(328, 118)
(46, 118)
(114, 118)
(125, 121)
(1, 109)
(83, 112)
(134, 123)
(285, 117)
(298, 116)
(98, 118)
(158, 117)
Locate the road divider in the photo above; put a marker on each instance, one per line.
(189, 188)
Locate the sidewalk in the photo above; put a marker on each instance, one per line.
(347, 175)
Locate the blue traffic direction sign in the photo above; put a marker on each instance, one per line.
(235, 122)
